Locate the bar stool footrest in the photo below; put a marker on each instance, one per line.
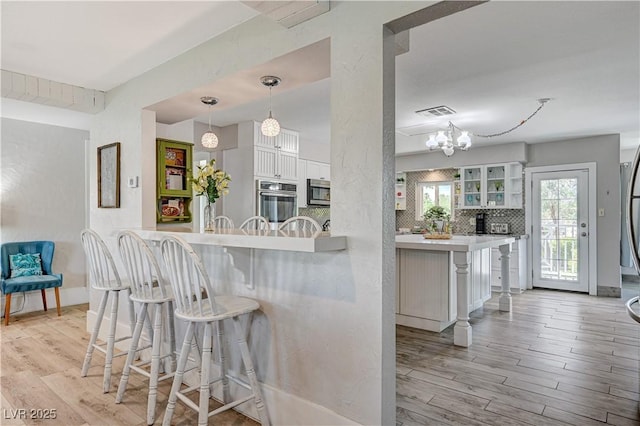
(230, 405)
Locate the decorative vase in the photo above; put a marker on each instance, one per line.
(209, 217)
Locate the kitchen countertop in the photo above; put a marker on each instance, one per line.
(456, 243)
(268, 240)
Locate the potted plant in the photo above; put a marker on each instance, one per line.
(437, 223)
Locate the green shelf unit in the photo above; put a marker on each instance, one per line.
(174, 194)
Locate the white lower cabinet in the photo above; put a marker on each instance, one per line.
(517, 267)
(426, 287)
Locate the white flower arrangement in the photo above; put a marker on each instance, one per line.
(210, 182)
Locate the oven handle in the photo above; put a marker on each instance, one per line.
(278, 194)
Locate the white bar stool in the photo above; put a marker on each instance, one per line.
(255, 223)
(301, 226)
(197, 303)
(105, 278)
(148, 288)
(223, 222)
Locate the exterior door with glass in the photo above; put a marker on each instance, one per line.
(560, 230)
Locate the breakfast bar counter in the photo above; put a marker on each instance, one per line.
(267, 240)
(439, 281)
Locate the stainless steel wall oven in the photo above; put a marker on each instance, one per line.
(276, 201)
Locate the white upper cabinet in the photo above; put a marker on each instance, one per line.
(319, 171)
(494, 186)
(276, 157)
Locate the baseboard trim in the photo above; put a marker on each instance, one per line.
(604, 291)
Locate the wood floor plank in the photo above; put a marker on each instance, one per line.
(570, 418)
(94, 407)
(26, 390)
(10, 414)
(614, 419)
(612, 403)
(472, 411)
(522, 415)
(487, 391)
(634, 396)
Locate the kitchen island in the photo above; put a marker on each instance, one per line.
(440, 282)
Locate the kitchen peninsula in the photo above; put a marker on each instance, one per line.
(267, 240)
(439, 282)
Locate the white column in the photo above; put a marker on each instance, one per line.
(462, 329)
(504, 303)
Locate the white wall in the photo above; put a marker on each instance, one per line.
(349, 369)
(43, 198)
(320, 152)
(605, 152)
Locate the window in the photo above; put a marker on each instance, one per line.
(429, 194)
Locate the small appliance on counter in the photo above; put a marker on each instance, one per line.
(481, 223)
(499, 228)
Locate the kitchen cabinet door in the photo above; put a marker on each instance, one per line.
(265, 163)
(318, 171)
(472, 185)
(287, 166)
(287, 141)
(494, 186)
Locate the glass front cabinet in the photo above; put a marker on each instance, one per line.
(493, 186)
(174, 192)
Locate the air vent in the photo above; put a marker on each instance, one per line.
(438, 111)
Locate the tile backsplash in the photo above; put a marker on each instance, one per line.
(320, 214)
(462, 223)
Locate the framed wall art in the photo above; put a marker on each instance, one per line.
(109, 175)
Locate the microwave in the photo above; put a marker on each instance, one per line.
(318, 192)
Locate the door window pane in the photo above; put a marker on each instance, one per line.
(559, 229)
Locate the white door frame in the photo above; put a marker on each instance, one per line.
(592, 212)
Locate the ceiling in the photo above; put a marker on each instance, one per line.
(489, 63)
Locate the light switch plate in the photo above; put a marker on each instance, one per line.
(600, 212)
(132, 182)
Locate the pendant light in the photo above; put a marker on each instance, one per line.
(209, 139)
(270, 126)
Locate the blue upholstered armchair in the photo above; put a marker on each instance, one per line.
(26, 266)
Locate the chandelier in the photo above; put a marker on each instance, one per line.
(444, 139)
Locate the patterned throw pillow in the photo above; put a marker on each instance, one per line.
(23, 265)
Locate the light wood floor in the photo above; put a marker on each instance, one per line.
(41, 357)
(558, 358)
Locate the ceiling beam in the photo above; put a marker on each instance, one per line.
(29, 88)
